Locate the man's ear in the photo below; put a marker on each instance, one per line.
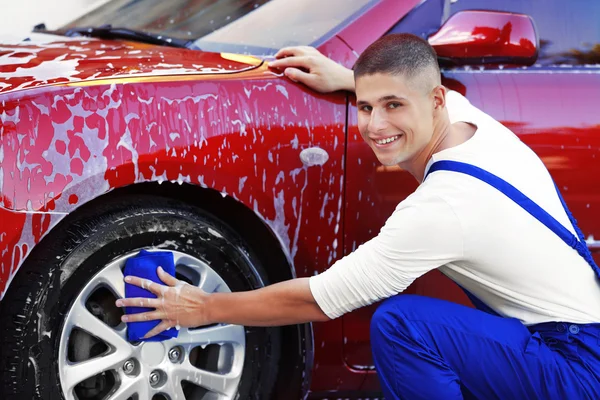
(439, 97)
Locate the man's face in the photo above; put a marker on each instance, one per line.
(395, 117)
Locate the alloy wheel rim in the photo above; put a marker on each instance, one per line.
(96, 360)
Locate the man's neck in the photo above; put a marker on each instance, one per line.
(446, 136)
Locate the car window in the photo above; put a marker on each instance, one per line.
(281, 23)
(259, 27)
(184, 19)
(569, 31)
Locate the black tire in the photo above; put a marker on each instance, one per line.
(34, 308)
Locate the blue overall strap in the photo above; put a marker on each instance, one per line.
(577, 243)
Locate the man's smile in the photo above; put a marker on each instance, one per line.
(384, 142)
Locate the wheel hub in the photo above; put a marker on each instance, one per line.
(152, 353)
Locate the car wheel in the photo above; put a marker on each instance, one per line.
(61, 334)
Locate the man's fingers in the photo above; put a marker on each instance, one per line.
(295, 61)
(167, 279)
(147, 316)
(163, 326)
(138, 302)
(299, 76)
(145, 284)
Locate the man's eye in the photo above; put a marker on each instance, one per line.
(366, 108)
(394, 105)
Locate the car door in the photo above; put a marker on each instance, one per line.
(551, 105)
(372, 193)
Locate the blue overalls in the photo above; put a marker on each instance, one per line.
(430, 349)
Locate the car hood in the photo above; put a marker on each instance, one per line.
(44, 59)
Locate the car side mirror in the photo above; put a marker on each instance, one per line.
(486, 37)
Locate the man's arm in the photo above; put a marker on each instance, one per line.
(184, 305)
(421, 235)
(284, 303)
(308, 66)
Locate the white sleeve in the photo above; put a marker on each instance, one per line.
(414, 240)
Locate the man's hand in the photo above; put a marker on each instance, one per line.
(180, 304)
(177, 304)
(307, 65)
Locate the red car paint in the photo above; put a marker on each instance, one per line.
(492, 36)
(83, 117)
(63, 60)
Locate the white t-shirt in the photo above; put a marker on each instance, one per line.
(475, 235)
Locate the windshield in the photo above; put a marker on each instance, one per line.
(239, 26)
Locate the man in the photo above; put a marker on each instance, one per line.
(539, 338)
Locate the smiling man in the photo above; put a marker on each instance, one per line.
(401, 105)
(496, 227)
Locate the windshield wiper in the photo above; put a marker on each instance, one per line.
(108, 32)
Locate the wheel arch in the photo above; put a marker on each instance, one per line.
(263, 241)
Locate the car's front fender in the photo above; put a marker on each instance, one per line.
(64, 146)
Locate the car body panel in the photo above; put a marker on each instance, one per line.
(55, 59)
(77, 143)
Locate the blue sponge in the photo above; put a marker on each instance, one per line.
(144, 265)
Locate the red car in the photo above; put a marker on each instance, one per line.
(167, 130)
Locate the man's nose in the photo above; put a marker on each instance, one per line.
(378, 121)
